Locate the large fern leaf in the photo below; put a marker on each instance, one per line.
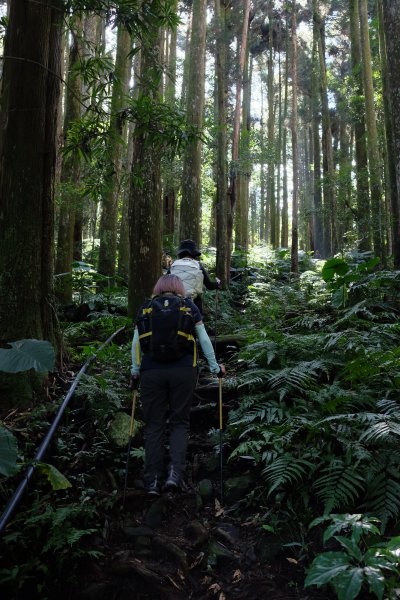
(285, 470)
(383, 431)
(339, 485)
(298, 378)
(383, 494)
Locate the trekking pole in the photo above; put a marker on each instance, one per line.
(215, 324)
(134, 396)
(220, 434)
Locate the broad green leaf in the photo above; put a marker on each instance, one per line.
(339, 297)
(57, 480)
(376, 581)
(27, 354)
(393, 545)
(8, 452)
(332, 267)
(376, 559)
(370, 264)
(325, 567)
(350, 546)
(348, 584)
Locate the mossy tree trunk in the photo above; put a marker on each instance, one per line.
(271, 132)
(191, 178)
(391, 15)
(374, 157)
(145, 205)
(28, 132)
(295, 159)
(70, 171)
(363, 219)
(223, 250)
(109, 207)
(317, 181)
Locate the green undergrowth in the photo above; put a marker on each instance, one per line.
(319, 411)
(317, 421)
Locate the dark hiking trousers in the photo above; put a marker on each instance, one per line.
(166, 392)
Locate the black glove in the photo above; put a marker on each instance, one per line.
(134, 383)
(220, 373)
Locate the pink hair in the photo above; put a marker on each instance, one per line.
(169, 283)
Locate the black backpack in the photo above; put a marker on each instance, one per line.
(166, 327)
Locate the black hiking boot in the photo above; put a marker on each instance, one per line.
(154, 487)
(174, 482)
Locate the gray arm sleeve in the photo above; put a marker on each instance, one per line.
(135, 369)
(207, 348)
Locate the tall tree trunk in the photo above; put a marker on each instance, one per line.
(145, 206)
(279, 149)
(92, 34)
(374, 158)
(70, 171)
(109, 207)
(170, 183)
(319, 247)
(361, 158)
(223, 249)
(391, 14)
(28, 132)
(232, 192)
(344, 207)
(271, 131)
(330, 237)
(191, 179)
(295, 202)
(263, 200)
(285, 211)
(124, 247)
(242, 205)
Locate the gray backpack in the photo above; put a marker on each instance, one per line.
(189, 271)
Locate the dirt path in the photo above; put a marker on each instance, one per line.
(186, 545)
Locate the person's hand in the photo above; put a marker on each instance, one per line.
(222, 371)
(134, 383)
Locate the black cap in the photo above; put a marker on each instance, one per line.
(190, 247)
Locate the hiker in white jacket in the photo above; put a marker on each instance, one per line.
(192, 273)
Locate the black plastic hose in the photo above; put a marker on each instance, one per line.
(16, 497)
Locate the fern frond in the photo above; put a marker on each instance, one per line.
(382, 431)
(266, 413)
(339, 485)
(249, 448)
(253, 377)
(297, 378)
(285, 470)
(383, 495)
(389, 407)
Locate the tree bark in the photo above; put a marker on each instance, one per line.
(319, 247)
(391, 16)
(295, 202)
(109, 207)
(28, 135)
(330, 237)
(363, 219)
(374, 158)
(145, 205)
(70, 172)
(191, 179)
(223, 249)
(232, 192)
(271, 132)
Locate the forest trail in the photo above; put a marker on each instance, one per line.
(188, 545)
